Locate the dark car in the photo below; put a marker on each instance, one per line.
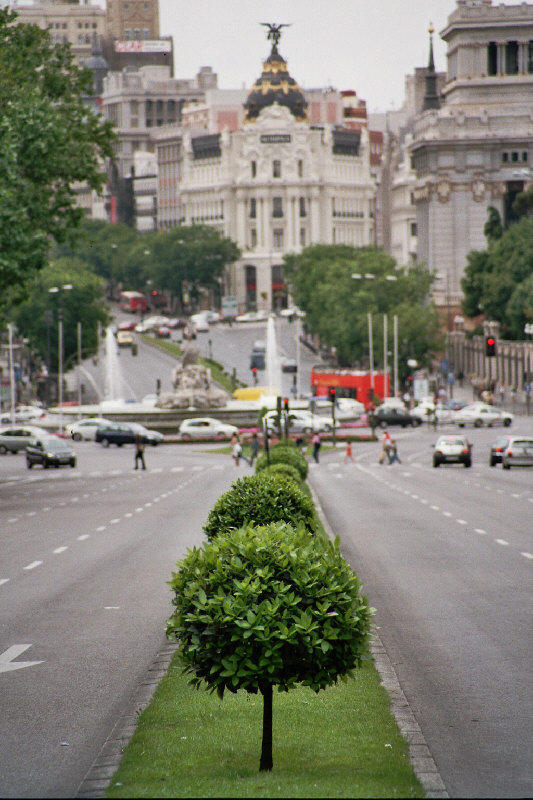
(395, 416)
(50, 452)
(120, 433)
(257, 360)
(497, 449)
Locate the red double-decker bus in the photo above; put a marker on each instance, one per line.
(349, 383)
(132, 301)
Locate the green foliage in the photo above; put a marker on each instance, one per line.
(337, 305)
(49, 140)
(37, 317)
(260, 499)
(497, 281)
(493, 229)
(283, 470)
(283, 454)
(268, 606)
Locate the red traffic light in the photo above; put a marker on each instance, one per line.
(332, 393)
(154, 293)
(490, 346)
(286, 403)
(490, 341)
(254, 370)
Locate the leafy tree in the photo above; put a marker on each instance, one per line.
(258, 500)
(493, 229)
(523, 203)
(49, 140)
(283, 453)
(268, 606)
(337, 305)
(37, 317)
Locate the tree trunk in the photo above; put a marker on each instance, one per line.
(265, 765)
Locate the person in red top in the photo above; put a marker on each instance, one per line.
(385, 446)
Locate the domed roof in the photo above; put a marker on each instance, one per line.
(275, 86)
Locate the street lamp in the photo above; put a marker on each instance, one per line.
(57, 290)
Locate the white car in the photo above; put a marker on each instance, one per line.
(23, 414)
(479, 414)
(252, 316)
(300, 422)
(206, 427)
(85, 428)
(292, 311)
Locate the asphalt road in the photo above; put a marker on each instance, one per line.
(85, 557)
(446, 556)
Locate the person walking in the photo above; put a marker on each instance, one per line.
(315, 441)
(139, 451)
(236, 449)
(254, 447)
(348, 454)
(393, 452)
(385, 445)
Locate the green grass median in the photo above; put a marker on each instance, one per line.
(342, 742)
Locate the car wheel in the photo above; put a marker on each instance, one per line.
(382, 424)
(105, 442)
(436, 463)
(154, 444)
(507, 422)
(73, 462)
(328, 428)
(307, 430)
(478, 423)
(506, 466)
(492, 463)
(29, 463)
(468, 463)
(76, 437)
(46, 465)
(461, 424)
(3, 449)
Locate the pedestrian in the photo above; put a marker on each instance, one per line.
(385, 445)
(393, 452)
(139, 451)
(236, 449)
(348, 454)
(315, 441)
(255, 447)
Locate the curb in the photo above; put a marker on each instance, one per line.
(419, 754)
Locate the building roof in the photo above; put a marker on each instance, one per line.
(275, 86)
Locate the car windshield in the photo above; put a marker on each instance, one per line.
(451, 440)
(54, 444)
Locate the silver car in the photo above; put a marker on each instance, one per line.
(18, 437)
(518, 453)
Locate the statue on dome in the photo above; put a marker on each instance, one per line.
(274, 31)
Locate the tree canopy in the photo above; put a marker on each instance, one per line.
(50, 139)
(337, 305)
(498, 281)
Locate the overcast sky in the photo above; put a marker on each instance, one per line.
(365, 45)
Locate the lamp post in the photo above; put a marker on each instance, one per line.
(57, 290)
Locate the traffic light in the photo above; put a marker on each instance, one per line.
(332, 393)
(490, 346)
(254, 373)
(286, 404)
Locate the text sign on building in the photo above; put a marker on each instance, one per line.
(143, 46)
(275, 138)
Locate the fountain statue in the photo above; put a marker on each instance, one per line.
(193, 385)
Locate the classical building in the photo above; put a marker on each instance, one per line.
(134, 20)
(70, 21)
(279, 183)
(473, 149)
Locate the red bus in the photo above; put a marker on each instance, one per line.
(349, 383)
(132, 301)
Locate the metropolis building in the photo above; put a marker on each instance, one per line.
(277, 184)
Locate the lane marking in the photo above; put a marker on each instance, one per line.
(101, 528)
(13, 519)
(526, 555)
(447, 513)
(114, 521)
(83, 537)
(434, 508)
(33, 565)
(501, 541)
(480, 531)
(59, 550)
(461, 521)
(6, 580)
(6, 658)
(111, 608)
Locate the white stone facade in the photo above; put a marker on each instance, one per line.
(476, 150)
(276, 186)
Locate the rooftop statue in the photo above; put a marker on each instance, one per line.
(274, 31)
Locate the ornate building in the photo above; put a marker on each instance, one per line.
(134, 20)
(474, 151)
(278, 183)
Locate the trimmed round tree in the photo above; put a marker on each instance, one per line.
(268, 606)
(259, 500)
(283, 470)
(283, 454)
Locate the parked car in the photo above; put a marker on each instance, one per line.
(23, 414)
(124, 339)
(518, 453)
(50, 452)
(85, 428)
(479, 414)
(127, 325)
(120, 433)
(163, 332)
(452, 450)
(17, 437)
(205, 428)
(257, 360)
(252, 316)
(496, 450)
(200, 322)
(391, 415)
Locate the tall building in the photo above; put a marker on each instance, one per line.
(133, 20)
(70, 21)
(475, 150)
(279, 183)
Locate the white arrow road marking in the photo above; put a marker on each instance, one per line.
(6, 658)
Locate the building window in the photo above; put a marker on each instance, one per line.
(127, 34)
(254, 168)
(530, 57)
(276, 169)
(277, 238)
(253, 208)
(492, 58)
(300, 168)
(303, 210)
(146, 33)
(505, 157)
(302, 237)
(413, 229)
(524, 156)
(511, 58)
(277, 207)
(137, 34)
(253, 237)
